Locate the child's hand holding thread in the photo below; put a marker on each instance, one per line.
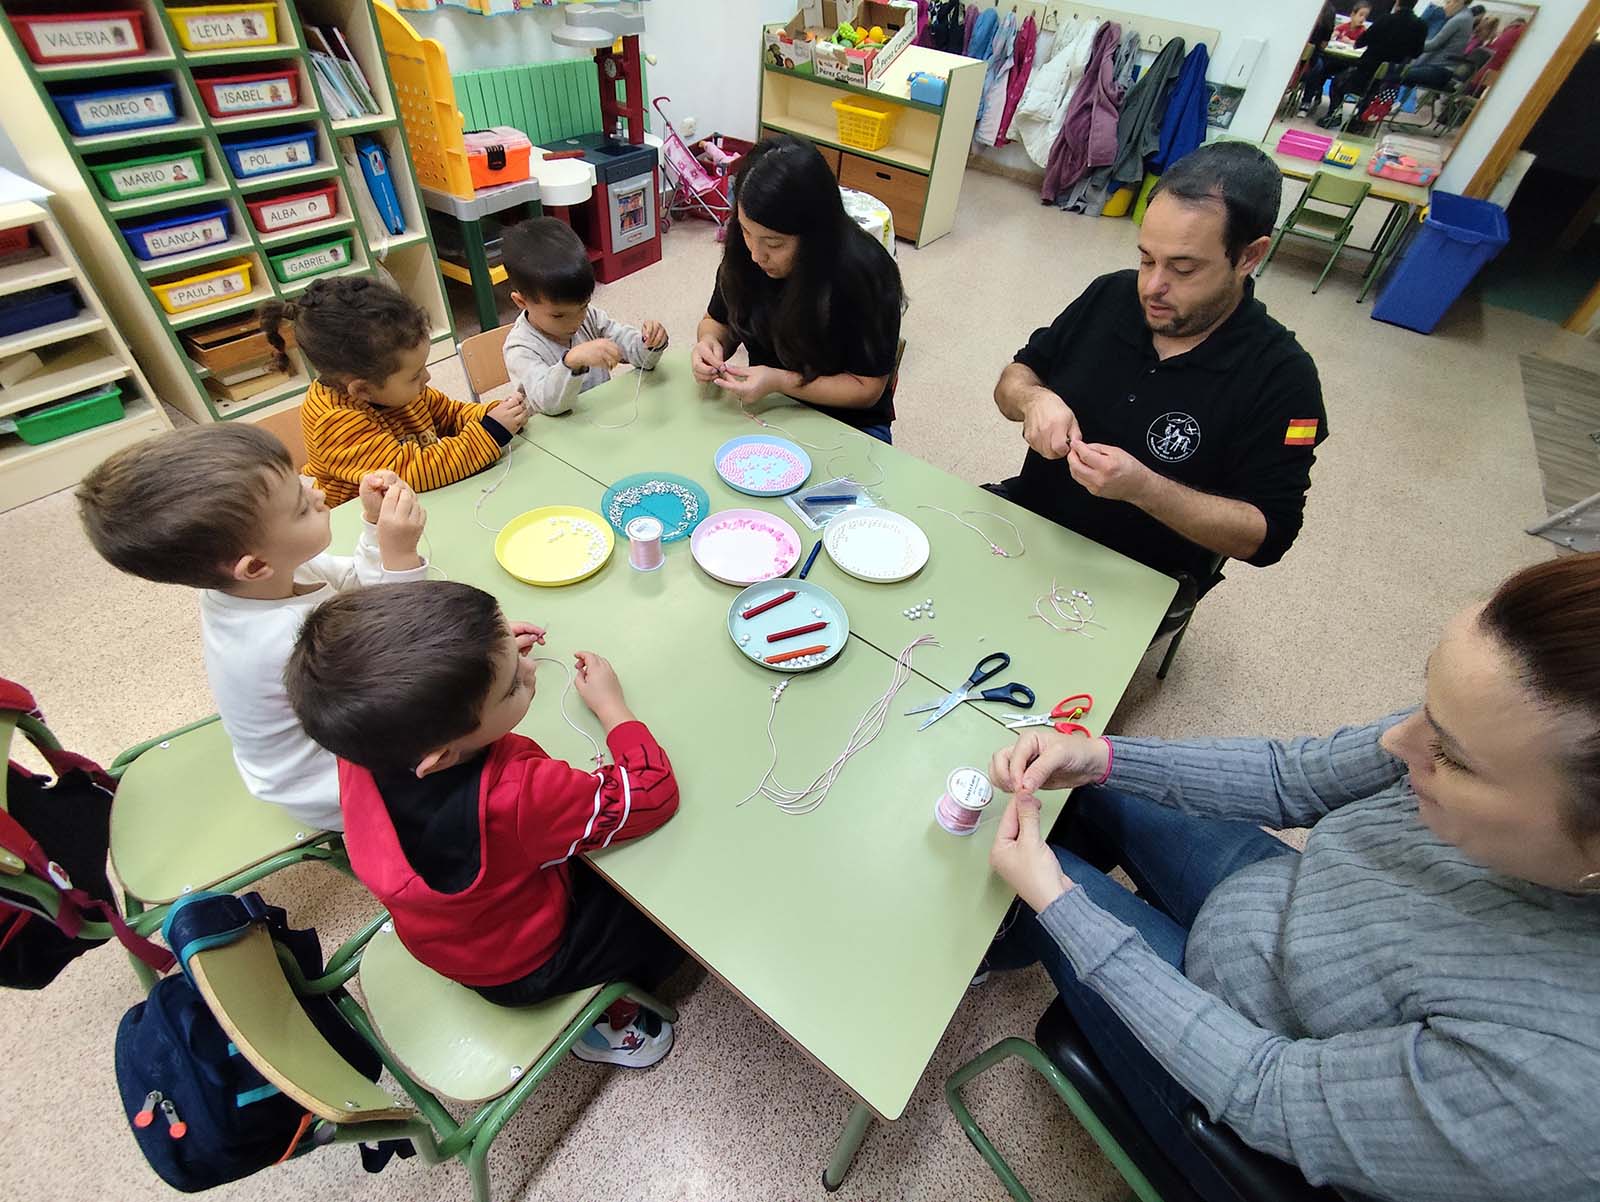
(512, 412)
(597, 352)
(373, 487)
(400, 523)
(527, 634)
(597, 683)
(654, 335)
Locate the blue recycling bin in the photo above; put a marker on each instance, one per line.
(1457, 238)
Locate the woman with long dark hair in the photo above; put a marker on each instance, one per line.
(813, 298)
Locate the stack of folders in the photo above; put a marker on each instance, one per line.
(340, 81)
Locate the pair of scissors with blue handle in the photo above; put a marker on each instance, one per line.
(989, 666)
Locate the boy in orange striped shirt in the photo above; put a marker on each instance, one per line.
(370, 408)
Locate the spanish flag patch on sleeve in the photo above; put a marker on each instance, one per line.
(1302, 432)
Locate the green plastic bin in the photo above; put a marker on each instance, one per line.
(82, 412)
(151, 175)
(314, 258)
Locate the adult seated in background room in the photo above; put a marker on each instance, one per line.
(1167, 416)
(815, 300)
(1442, 53)
(1318, 66)
(1395, 37)
(1410, 1008)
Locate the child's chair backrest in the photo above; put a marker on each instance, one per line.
(483, 356)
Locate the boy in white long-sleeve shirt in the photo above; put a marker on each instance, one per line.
(220, 508)
(562, 345)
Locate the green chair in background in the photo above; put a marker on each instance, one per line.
(1320, 225)
(433, 1035)
(183, 820)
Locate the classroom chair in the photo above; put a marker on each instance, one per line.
(434, 1037)
(1320, 225)
(1061, 1054)
(483, 356)
(183, 820)
(1291, 94)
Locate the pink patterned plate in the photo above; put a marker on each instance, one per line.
(742, 546)
(762, 465)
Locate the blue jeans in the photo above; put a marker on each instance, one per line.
(883, 433)
(1176, 861)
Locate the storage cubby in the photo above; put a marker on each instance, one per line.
(249, 160)
(918, 172)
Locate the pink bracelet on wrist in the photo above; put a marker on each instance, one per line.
(1111, 756)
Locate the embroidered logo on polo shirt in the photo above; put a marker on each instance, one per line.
(1173, 437)
(1302, 432)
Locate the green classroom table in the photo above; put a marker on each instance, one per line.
(855, 929)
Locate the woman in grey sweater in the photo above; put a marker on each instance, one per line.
(1411, 1007)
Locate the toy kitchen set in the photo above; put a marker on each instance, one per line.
(619, 221)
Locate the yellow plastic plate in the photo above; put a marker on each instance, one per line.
(554, 545)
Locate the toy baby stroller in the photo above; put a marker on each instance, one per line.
(702, 184)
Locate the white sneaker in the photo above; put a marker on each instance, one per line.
(631, 1047)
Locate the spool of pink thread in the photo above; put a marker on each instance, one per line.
(644, 543)
(966, 793)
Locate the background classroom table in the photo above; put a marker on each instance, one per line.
(854, 929)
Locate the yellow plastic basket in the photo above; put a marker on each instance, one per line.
(863, 124)
(225, 26)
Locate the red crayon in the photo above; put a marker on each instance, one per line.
(798, 630)
(766, 605)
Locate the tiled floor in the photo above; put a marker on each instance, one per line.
(1417, 507)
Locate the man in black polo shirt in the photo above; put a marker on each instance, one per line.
(1167, 416)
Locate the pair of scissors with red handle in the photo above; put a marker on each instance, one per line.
(1063, 717)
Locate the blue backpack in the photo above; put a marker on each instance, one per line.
(200, 1112)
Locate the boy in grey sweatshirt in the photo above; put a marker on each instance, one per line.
(562, 345)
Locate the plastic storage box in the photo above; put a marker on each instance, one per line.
(865, 124)
(80, 37)
(289, 209)
(17, 240)
(1406, 160)
(497, 156)
(1458, 237)
(224, 26)
(184, 232)
(303, 262)
(256, 92)
(203, 288)
(249, 158)
(83, 412)
(38, 307)
(110, 110)
(150, 175)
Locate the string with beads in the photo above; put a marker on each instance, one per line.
(489, 490)
(994, 547)
(868, 728)
(872, 462)
(1061, 601)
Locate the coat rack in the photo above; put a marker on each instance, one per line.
(1154, 33)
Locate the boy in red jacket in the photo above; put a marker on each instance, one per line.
(470, 834)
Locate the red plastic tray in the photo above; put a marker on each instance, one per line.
(257, 92)
(289, 209)
(80, 37)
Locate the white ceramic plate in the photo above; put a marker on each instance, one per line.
(877, 545)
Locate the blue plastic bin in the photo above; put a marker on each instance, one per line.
(110, 110)
(38, 307)
(1458, 237)
(252, 157)
(175, 235)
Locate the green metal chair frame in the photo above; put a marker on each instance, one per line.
(1030, 1055)
(262, 978)
(1332, 229)
(1292, 93)
(145, 916)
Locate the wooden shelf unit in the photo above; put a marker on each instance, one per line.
(59, 160)
(79, 353)
(918, 174)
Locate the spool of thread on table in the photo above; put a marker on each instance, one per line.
(644, 543)
(960, 808)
